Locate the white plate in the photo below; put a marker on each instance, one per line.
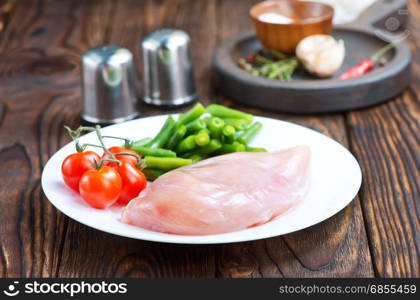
(336, 179)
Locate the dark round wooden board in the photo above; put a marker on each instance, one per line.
(308, 94)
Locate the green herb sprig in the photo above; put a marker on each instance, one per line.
(270, 64)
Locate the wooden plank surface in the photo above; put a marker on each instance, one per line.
(386, 139)
(40, 47)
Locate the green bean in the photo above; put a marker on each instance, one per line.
(195, 126)
(164, 134)
(151, 174)
(141, 142)
(228, 132)
(166, 163)
(239, 124)
(210, 147)
(207, 120)
(205, 130)
(202, 138)
(144, 151)
(196, 157)
(215, 126)
(249, 133)
(187, 144)
(176, 137)
(255, 149)
(194, 113)
(188, 154)
(230, 148)
(225, 112)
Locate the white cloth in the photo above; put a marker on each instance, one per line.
(347, 10)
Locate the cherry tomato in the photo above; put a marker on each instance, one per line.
(75, 165)
(127, 158)
(133, 182)
(100, 188)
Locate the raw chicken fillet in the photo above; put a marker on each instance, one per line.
(223, 194)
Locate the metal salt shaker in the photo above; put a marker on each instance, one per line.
(109, 85)
(167, 69)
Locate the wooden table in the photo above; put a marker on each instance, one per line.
(41, 42)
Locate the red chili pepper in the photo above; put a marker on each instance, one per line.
(367, 64)
(251, 58)
(358, 70)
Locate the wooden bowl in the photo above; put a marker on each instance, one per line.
(295, 21)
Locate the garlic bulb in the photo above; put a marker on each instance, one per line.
(321, 54)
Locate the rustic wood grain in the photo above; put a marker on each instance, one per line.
(386, 139)
(40, 47)
(31, 228)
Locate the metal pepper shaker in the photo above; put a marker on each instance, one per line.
(167, 69)
(109, 85)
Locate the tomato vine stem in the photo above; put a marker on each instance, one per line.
(75, 135)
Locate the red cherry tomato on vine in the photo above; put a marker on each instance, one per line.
(123, 158)
(133, 182)
(75, 165)
(100, 188)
